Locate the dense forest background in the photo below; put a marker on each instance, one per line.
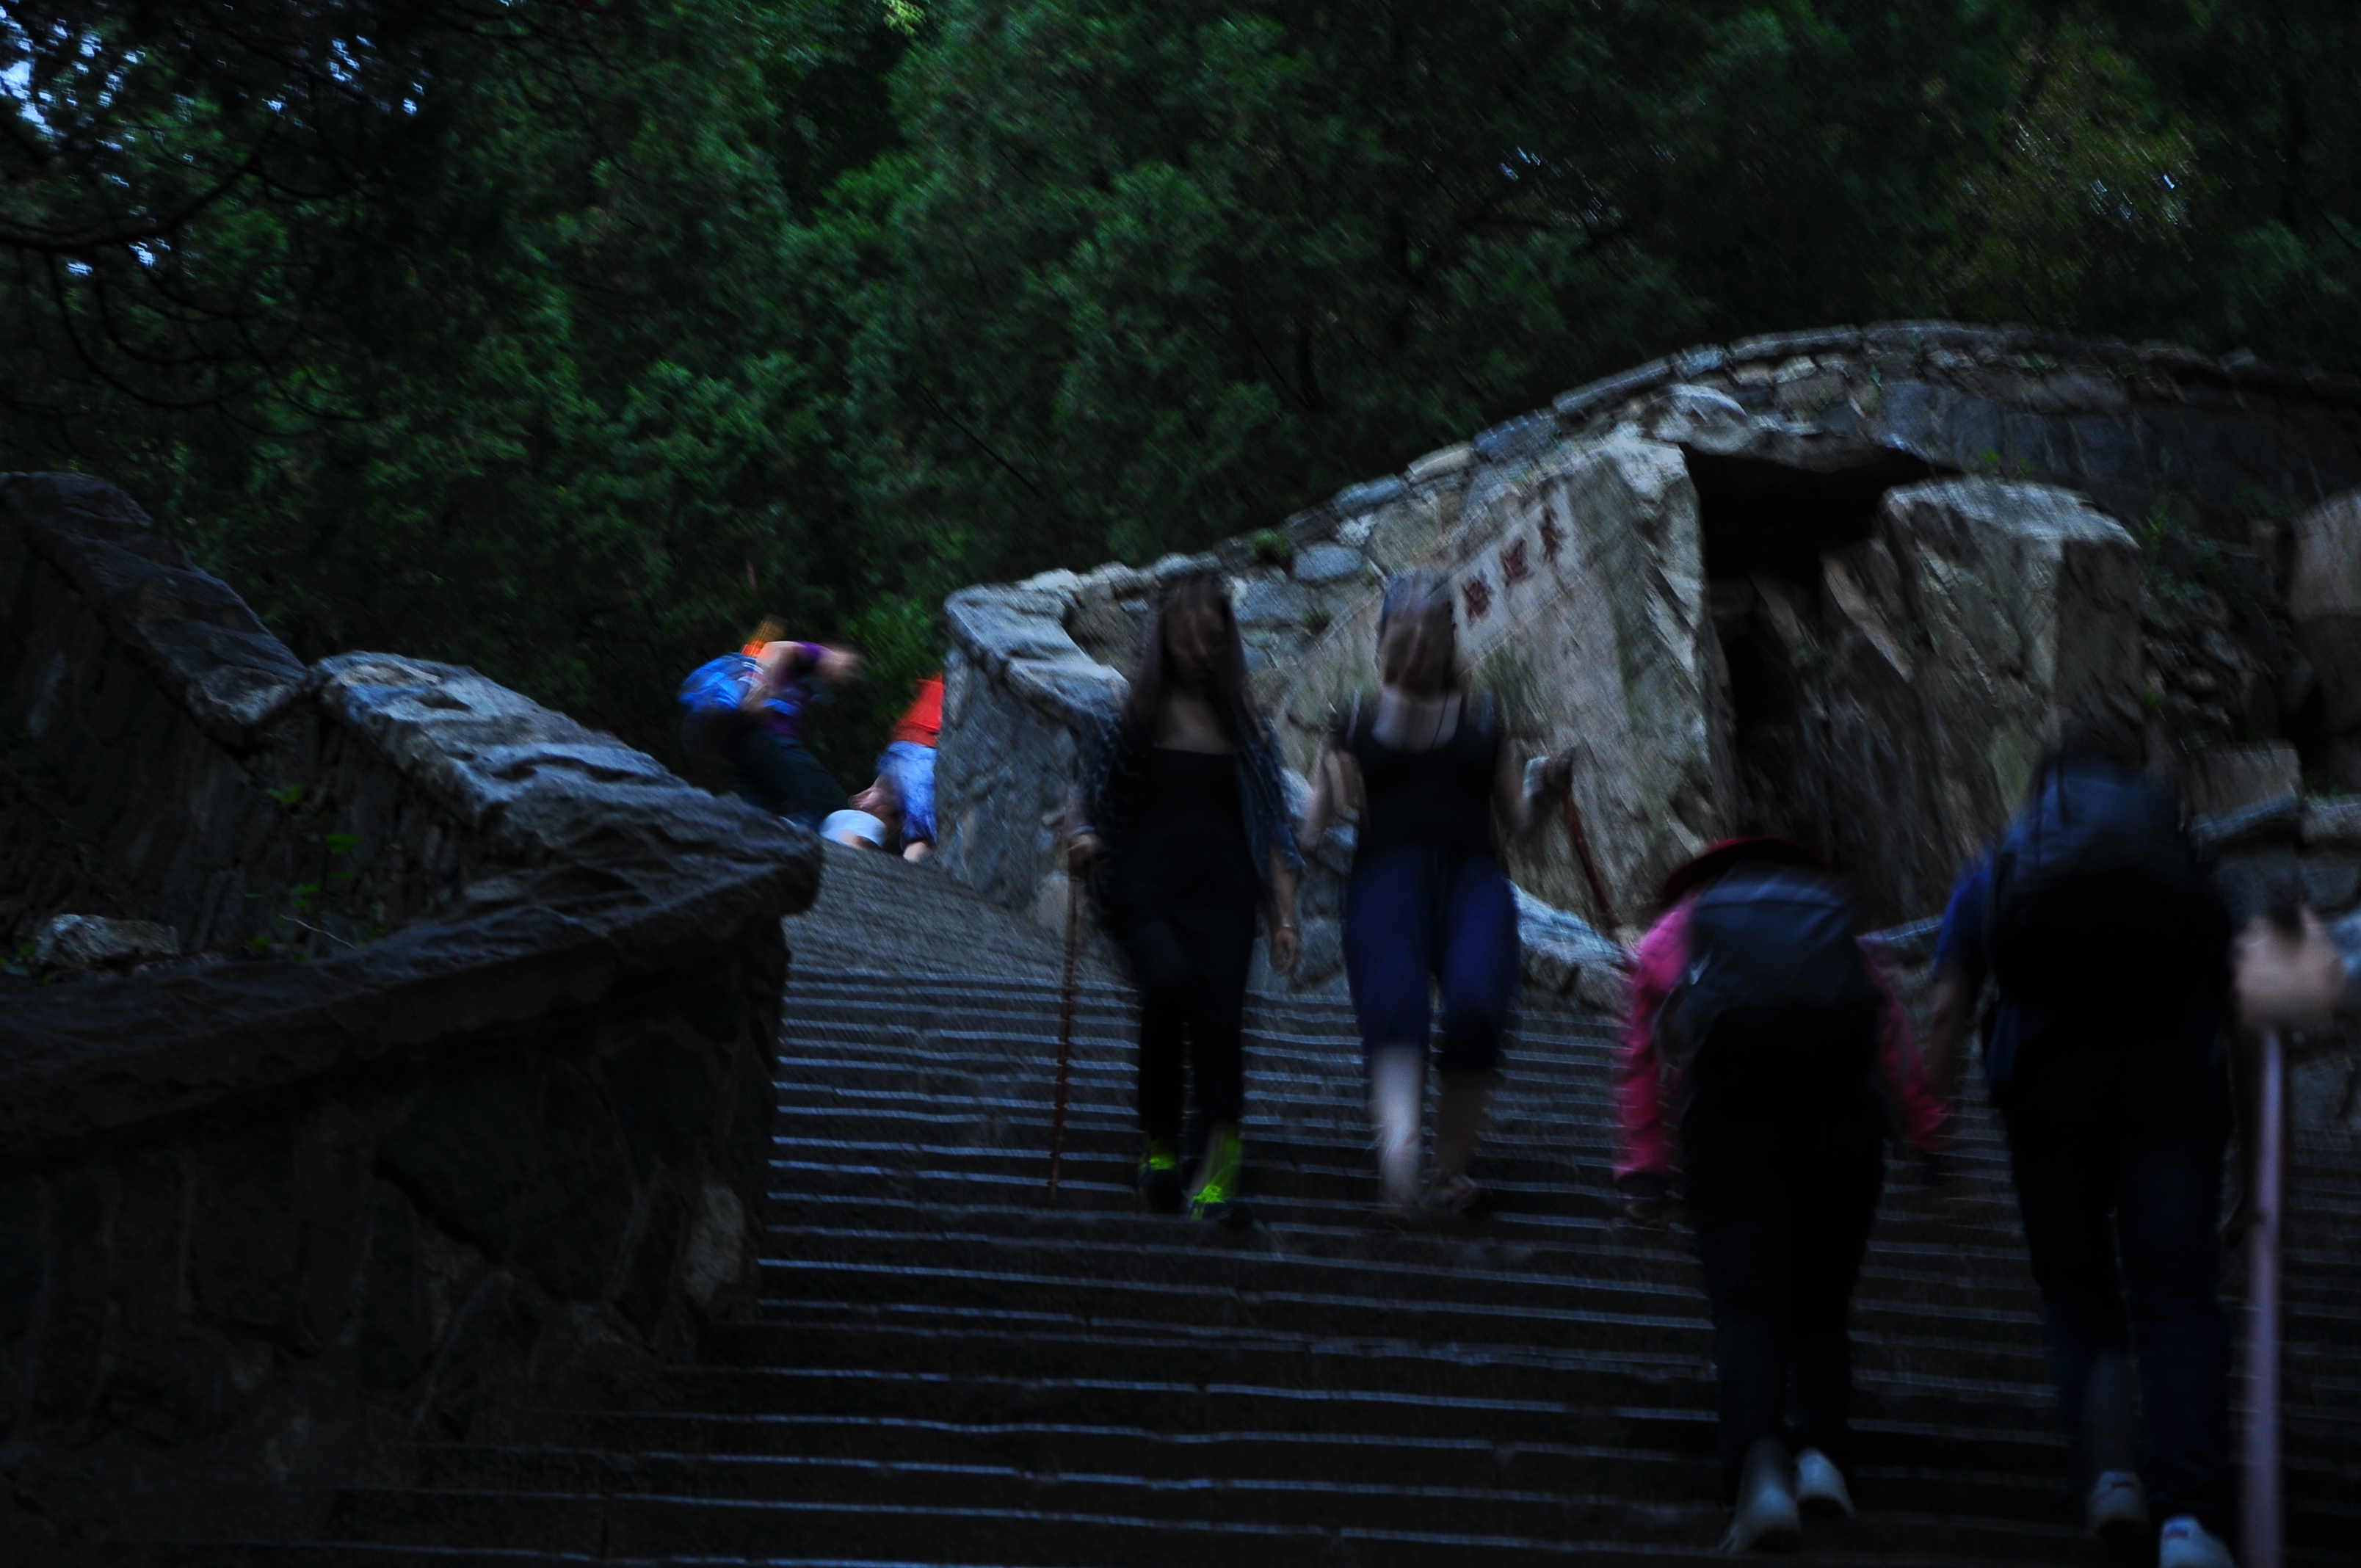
(565, 337)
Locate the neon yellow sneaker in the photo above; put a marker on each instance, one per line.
(1216, 1197)
(1160, 1177)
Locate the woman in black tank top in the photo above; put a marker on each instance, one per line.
(1186, 833)
(1424, 765)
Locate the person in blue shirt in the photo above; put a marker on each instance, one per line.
(2118, 1111)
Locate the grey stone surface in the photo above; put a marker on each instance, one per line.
(2216, 779)
(1327, 564)
(1980, 619)
(2263, 821)
(2335, 823)
(76, 942)
(1563, 957)
(2324, 601)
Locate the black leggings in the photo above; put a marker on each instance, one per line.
(783, 778)
(1781, 1197)
(1192, 993)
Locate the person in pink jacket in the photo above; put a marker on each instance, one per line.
(1765, 1059)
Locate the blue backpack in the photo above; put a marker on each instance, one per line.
(1776, 988)
(708, 703)
(2098, 903)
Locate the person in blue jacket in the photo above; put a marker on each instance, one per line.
(2116, 1099)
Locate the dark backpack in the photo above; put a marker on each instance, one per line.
(1775, 973)
(2098, 903)
(710, 714)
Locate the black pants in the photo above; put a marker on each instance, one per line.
(783, 778)
(2118, 1152)
(1782, 1186)
(1193, 994)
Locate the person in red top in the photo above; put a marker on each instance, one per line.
(904, 788)
(1760, 1026)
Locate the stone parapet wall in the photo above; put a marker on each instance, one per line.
(1608, 554)
(461, 1091)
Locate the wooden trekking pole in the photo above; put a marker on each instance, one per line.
(1066, 1026)
(2262, 1542)
(1589, 867)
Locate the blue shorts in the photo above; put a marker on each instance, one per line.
(910, 769)
(1416, 917)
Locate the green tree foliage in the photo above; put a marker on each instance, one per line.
(566, 338)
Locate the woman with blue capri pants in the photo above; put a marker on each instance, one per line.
(1425, 767)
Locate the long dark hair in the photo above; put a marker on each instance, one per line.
(1232, 698)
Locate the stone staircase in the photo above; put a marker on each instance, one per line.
(946, 1370)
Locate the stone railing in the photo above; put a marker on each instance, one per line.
(1610, 551)
(460, 1094)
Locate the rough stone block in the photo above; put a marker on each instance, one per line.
(2331, 883)
(571, 1222)
(243, 1246)
(22, 1253)
(1985, 615)
(463, 1151)
(2217, 779)
(1582, 585)
(73, 1335)
(2336, 821)
(2324, 601)
(163, 1379)
(665, 1096)
(77, 942)
(1327, 564)
(396, 1337)
(485, 1356)
(1441, 463)
(1366, 496)
(647, 1282)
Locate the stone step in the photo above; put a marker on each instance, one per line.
(1550, 1247)
(922, 1513)
(1475, 1488)
(1623, 1399)
(1345, 1187)
(1244, 1282)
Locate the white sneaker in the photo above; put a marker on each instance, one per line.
(2117, 1511)
(1820, 1486)
(2185, 1543)
(1767, 1521)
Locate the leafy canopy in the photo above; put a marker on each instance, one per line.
(566, 338)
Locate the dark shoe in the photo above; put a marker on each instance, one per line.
(1160, 1177)
(1450, 1197)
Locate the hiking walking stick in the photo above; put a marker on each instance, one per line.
(1066, 1026)
(2259, 1505)
(1589, 866)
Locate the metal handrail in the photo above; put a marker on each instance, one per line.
(2261, 1532)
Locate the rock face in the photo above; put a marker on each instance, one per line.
(462, 1095)
(2324, 601)
(1845, 582)
(1979, 620)
(1580, 592)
